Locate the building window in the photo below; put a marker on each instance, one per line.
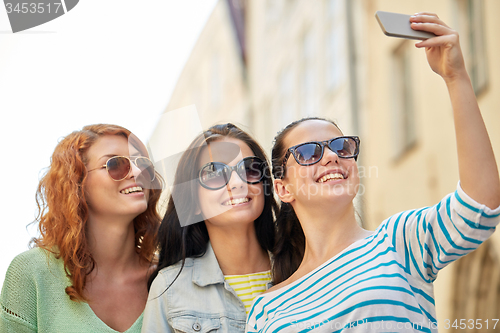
(471, 28)
(402, 101)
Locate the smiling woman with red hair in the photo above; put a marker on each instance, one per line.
(97, 220)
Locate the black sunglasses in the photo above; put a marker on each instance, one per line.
(309, 153)
(216, 175)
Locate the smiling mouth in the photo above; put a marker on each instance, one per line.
(233, 202)
(134, 189)
(330, 176)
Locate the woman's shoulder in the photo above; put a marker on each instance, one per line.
(190, 269)
(188, 265)
(282, 285)
(276, 287)
(37, 268)
(30, 274)
(167, 275)
(35, 260)
(34, 265)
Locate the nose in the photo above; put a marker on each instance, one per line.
(235, 181)
(329, 156)
(134, 171)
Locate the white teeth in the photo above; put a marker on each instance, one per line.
(235, 201)
(330, 176)
(131, 190)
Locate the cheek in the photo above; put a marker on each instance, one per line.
(208, 200)
(298, 177)
(91, 195)
(257, 191)
(355, 173)
(201, 201)
(98, 198)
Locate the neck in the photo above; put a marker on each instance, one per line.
(238, 250)
(112, 245)
(328, 231)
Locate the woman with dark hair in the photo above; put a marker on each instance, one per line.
(334, 276)
(215, 237)
(89, 268)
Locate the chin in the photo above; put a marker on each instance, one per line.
(333, 195)
(140, 210)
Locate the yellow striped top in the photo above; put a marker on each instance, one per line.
(249, 286)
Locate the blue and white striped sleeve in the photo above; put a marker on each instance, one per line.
(432, 237)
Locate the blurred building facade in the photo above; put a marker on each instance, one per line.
(264, 63)
(214, 77)
(299, 63)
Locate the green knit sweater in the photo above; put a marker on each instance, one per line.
(33, 299)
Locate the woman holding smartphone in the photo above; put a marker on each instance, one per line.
(333, 275)
(89, 268)
(215, 237)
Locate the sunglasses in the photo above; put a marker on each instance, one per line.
(216, 175)
(309, 153)
(119, 167)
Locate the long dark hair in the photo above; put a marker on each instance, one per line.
(291, 242)
(176, 242)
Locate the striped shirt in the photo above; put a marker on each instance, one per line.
(249, 286)
(382, 283)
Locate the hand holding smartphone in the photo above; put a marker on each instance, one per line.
(398, 25)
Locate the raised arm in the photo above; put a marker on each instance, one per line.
(478, 170)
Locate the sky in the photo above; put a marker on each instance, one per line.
(112, 61)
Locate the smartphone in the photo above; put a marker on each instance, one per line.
(398, 25)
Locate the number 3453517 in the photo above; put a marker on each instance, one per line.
(461, 324)
(33, 7)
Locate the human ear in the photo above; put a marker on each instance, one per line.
(282, 191)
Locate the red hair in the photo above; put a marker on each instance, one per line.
(63, 210)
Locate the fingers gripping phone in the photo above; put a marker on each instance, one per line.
(398, 25)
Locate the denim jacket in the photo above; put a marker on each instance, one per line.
(199, 300)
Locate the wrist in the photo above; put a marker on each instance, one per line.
(459, 77)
